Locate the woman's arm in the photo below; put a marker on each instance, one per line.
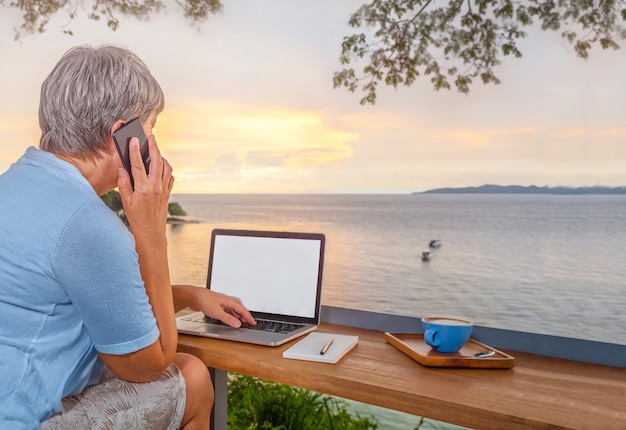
(146, 209)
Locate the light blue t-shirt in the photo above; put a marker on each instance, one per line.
(70, 285)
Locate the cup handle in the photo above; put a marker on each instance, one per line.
(429, 337)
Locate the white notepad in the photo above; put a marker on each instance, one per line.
(310, 347)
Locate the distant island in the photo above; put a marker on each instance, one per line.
(518, 189)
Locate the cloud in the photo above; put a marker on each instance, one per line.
(250, 107)
(611, 132)
(576, 132)
(466, 137)
(274, 146)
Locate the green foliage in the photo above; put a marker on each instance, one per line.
(114, 201)
(174, 209)
(452, 42)
(263, 405)
(459, 40)
(37, 13)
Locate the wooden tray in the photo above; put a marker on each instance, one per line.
(413, 345)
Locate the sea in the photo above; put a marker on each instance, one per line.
(549, 264)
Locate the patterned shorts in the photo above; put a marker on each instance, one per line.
(116, 404)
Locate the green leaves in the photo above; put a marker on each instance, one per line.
(114, 201)
(257, 404)
(397, 41)
(37, 13)
(457, 41)
(174, 209)
(199, 10)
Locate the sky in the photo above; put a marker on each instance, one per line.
(250, 106)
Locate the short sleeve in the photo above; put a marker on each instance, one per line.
(96, 264)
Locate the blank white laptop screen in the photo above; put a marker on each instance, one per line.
(269, 274)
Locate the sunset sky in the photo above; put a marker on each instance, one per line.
(250, 107)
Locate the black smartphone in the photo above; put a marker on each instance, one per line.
(122, 137)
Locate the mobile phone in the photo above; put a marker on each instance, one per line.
(122, 137)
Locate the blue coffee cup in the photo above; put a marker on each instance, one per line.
(446, 334)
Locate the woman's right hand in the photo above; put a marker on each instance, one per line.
(146, 206)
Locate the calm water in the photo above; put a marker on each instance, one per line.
(536, 263)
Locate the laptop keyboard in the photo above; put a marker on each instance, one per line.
(261, 324)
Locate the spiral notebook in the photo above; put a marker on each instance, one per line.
(310, 348)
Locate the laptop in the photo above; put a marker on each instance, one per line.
(277, 276)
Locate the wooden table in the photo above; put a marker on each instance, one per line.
(538, 393)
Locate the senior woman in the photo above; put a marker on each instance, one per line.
(87, 312)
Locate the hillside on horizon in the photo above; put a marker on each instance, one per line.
(532, 189)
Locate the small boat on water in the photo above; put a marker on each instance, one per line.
(426, 255)
(435, 243)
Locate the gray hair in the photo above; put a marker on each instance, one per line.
(90, 89)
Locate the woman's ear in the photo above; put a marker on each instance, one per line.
(116, 126)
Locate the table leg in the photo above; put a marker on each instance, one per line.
(219, 414)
